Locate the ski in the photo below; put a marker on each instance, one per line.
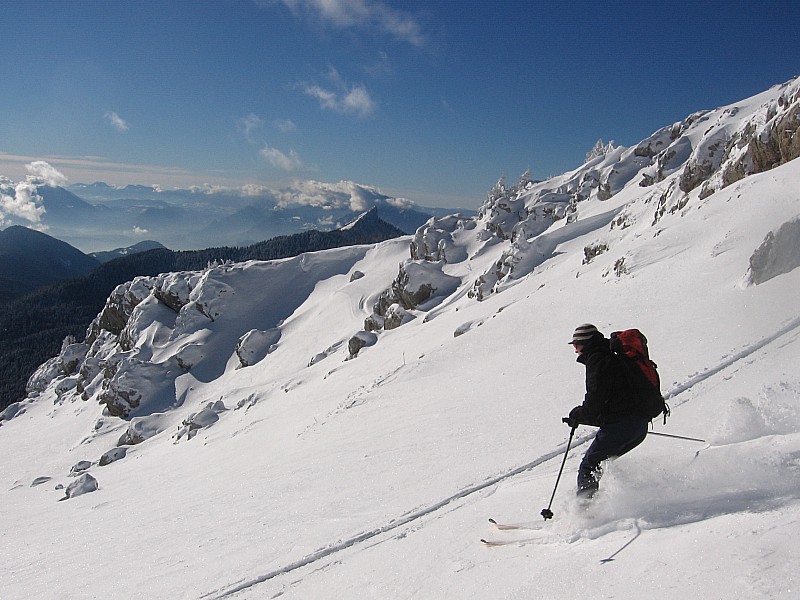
(511, 526)
(495, 543)
(507, 527)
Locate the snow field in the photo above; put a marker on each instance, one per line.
(375, 476)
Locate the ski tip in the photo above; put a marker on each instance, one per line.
(493, 522)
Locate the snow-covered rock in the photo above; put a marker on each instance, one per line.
(141, 429)
(80, 467)
(84, 484)
(255, 345)
(11, 411)
(112, 455)
(779, 253)
(201, 420)
(361, 339)
(333, 477)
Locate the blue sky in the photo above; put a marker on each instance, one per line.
(431, 101)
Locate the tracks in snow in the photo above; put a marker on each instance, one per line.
(422, 512)
(730, 360)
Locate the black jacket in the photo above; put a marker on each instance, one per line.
(610, 394)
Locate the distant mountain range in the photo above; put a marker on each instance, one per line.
(340, 424)
(144, 246)
(98, 216)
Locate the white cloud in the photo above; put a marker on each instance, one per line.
(346, 99)
(249, 124)
(357, 101)
(139, 231)
(25, 203)
(116, 122)
(46, 173)
(285, 125)
(22, 199)
(327, 99)
(359, 14)
(401, 203)
(287, 162)
(345, 194)
(353, 101)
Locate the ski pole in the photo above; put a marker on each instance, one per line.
(546, 512)
(677, 437)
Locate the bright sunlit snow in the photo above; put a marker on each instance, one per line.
(261, 452)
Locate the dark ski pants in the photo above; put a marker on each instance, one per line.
(612, 440)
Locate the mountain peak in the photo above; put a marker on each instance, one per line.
(320, 389)
(369, 226)
(370, 216)
(30, 259)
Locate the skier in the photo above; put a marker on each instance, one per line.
(611, 404)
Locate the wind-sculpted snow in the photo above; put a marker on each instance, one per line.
(167, 326)
(343, 424)
(701, 151)
(779, 253)
(180, 324)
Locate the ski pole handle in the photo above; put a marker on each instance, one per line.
(571, 422)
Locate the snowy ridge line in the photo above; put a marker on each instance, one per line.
(418, 514)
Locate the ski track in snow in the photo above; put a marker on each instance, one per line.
(425, 511)
(708, 373)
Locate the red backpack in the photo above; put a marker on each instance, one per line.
(631, 347)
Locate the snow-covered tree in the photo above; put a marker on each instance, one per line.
(600, 148)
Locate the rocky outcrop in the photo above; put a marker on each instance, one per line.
(119, 307)
(417, 283)
(434, 242)
(420, 283)
(201, 420)
(694, 174)
(172, 297)
(112, 456)
(84, 484)
(767, 140)
(140, 387)
(11, 411)
(141, 429)
(80, 467)
(253, 346)
(776, 144)
(65, 364)
(360, 340)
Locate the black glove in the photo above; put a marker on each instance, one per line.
(574, 418)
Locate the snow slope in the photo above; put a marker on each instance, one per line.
(314, 473)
